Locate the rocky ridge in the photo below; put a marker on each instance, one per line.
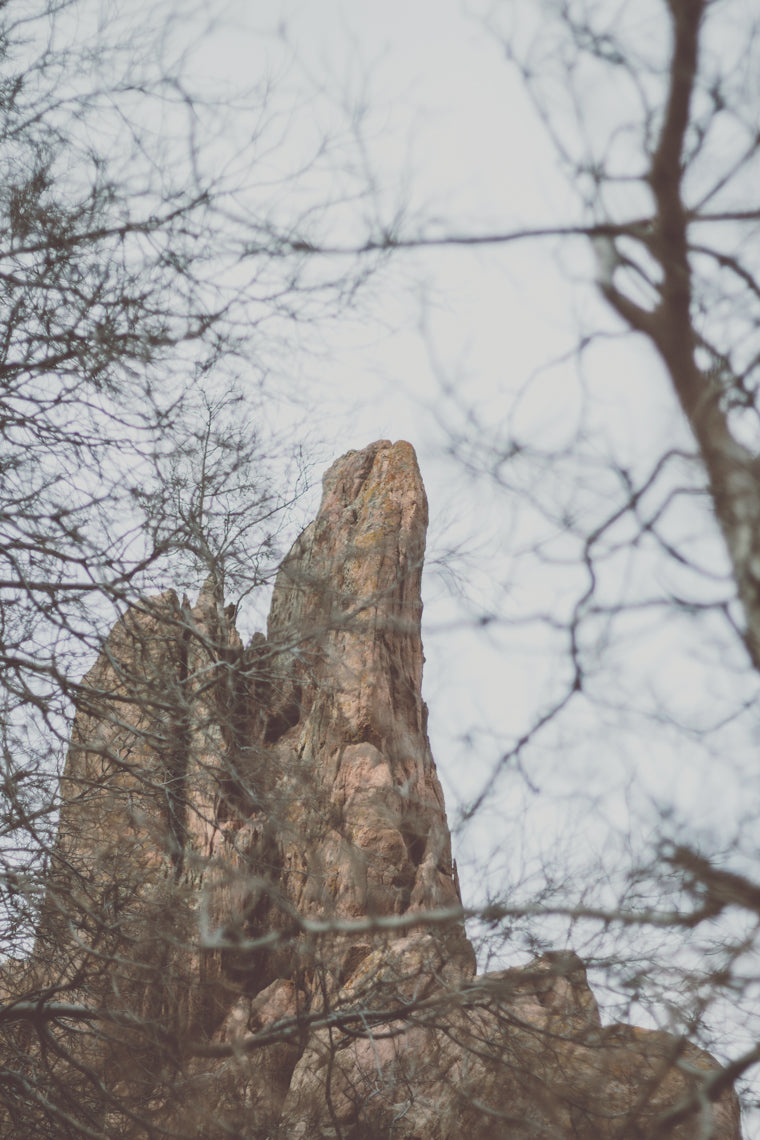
(252, 843)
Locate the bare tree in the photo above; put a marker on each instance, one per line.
(652, 110)
(250, 901)
(140, 266)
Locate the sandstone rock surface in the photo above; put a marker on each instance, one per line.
(251, 842)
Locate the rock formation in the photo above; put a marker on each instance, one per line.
(251, 927)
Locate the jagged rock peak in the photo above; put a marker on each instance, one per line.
(250, 843)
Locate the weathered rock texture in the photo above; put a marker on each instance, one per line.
(223, 941)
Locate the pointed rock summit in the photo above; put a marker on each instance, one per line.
(350, 722)
(252, 916)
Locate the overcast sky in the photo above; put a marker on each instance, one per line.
(448, 342)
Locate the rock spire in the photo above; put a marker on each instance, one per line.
(252, 915)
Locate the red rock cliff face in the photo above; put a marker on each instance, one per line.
(251, 844)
